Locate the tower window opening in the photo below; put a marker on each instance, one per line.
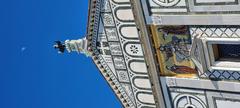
(226, 52)
(224, 55)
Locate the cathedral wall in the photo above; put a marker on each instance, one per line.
(197, 49)
(200, 93)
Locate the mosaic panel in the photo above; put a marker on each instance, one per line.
(172, 44)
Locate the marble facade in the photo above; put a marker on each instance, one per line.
(182, 36)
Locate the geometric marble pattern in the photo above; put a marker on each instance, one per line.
(225, 74)
(200, 93)
(123, 76)
(191, 12)
(119, 63)
(218, 32)
(167, 3)
(166, 6)
(115, 48)
(98, 40)
(111, 34)
(191, 6)
(188, 100)
(115, 32)
(108, 19)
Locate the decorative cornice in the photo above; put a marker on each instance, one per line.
(92, 31)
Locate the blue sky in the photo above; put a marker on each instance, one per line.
(32, 73)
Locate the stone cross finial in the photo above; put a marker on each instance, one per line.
(79, 46)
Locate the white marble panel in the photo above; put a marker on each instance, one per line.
(145, 98)
(230, 19)
(142, 83)
(213, 1)
(121, 1)
(202, 84)
(125, 14)
(129, 31)
(227, 104)
(208, 7)
(138, 67)
(168, 10)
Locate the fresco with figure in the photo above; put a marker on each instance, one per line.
(173, 43)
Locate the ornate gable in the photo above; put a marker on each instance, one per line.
(115, 45)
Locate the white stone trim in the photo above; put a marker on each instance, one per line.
(220, 65)
(202, 84)
(218, 19)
